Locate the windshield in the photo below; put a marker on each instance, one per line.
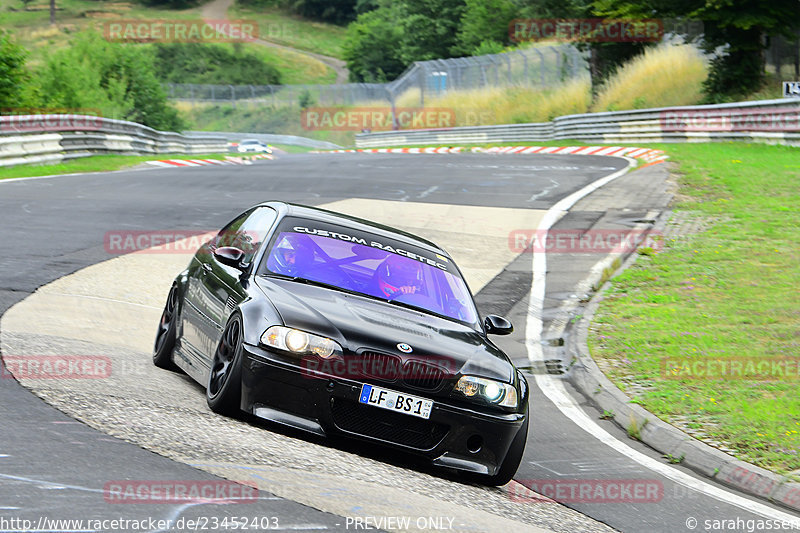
(370, 265)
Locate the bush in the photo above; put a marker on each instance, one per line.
(381, 43)
(15, 88)
(484, 26)
(663, 76)
(212, 63)
(116, 79)
(372, 47)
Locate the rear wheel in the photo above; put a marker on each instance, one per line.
(513, 458)
(165, 336)
(224, 390)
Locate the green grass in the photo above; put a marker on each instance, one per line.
(32, 29)
(97, 163)
(295, 68)
(280, 26)
(256, 118)
(728, 292)
(293, 149)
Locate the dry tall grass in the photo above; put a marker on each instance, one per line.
(507, 105)
(663, 76)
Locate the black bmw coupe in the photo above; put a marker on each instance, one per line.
(336, 325)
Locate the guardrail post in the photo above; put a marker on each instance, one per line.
(423, 73)
(541, 66)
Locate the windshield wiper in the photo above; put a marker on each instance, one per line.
(307, 281)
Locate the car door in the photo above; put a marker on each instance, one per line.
(197, 326)
(221, 287)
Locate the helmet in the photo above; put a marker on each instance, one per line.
(396, 272)
(291, 255)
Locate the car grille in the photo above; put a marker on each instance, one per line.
(386, 367)
(380, 366)
(421, 375)
(388, 426)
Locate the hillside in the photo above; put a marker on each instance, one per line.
(303, 51)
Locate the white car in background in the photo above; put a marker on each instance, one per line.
(253, 145)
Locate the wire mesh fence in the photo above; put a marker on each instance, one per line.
(543, 66)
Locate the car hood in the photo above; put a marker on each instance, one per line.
(362, 323)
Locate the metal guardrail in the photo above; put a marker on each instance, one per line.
(776, 121)
(57, 137)
(268, 138)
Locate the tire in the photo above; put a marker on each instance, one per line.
(165, 335)
(513, 458)
(224, 389)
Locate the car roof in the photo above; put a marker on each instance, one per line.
(332, 217)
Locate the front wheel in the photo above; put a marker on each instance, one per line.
(513, 458)
(165, 336)
(224, 390)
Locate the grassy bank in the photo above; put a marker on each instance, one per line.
(32, 29)
(282, 27)
(727, 293)
(97, 163)
(256, 118)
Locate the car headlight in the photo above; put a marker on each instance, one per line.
(299, 342)
(493, 392)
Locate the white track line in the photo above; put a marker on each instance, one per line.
(554, 389)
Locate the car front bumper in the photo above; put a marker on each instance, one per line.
(276, 387)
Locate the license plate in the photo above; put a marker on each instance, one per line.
(395, 401)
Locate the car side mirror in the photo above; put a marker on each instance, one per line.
(229, 255)
(497, 325)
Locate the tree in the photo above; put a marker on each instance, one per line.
(382, 43)
(484, 21)
(735, 30)
(372, 47)
(429, 29)
(14, 78)
(116, 79)
(334, 11)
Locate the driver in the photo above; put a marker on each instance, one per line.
(291, 255)
(399, 275)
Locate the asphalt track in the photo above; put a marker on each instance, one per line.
(50, 465)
